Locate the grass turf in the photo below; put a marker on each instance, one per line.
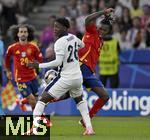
(106, 128)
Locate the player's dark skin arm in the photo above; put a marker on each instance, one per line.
(92, 17)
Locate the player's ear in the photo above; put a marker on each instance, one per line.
(18, 34)
(65, 29)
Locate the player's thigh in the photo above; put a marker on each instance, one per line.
(58, 89)
(97, 87)
(34, 86)
(89, 78)
(92, 82)
(77, 89)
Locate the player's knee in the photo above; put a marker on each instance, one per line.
(78, 99)
(46, 98)
(31, 99)
(102, 93)
(105, 97)
(43, 99)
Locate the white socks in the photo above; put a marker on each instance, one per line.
(38, 111)
(83, 108)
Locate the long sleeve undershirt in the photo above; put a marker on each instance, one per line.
(52, 64)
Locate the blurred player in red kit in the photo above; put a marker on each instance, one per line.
(23, 52)
(89, 56)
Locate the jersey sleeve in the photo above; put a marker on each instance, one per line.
(60, 46)
(80, 43)
(84, 52)
(9, 52)
(52, 64)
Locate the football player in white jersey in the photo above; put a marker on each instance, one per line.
(69, 78)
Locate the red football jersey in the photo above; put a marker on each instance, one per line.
(22, 54)
(89, 55)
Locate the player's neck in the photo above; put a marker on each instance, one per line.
(23, 42)
(63, 34)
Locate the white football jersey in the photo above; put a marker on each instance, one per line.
(68, 46)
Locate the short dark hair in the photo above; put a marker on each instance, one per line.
(63, 21)
(15, 29)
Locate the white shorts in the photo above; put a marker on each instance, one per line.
(60, 86)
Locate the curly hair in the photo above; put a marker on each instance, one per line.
(15, 29)
(108, 20)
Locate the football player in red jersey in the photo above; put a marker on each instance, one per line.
(89, 56)
(23, 52)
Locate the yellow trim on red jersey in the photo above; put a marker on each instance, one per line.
(10, 46)
(85, 55)
(16, 74)
(35, 45)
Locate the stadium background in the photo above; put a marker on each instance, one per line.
(132, 98)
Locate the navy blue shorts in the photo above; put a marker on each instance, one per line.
(89, 78)
(27, 88)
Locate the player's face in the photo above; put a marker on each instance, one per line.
(58, 29)
(23, 34)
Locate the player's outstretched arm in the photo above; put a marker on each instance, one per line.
(52, 64)
(92, 17)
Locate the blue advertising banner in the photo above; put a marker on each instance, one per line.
(135, 56)
(133, 75)
(122, 102)
(134, 69)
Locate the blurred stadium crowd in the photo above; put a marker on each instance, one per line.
(131, 27)
(16, 12)
(132, 20)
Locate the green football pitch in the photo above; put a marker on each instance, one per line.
(106, 128)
